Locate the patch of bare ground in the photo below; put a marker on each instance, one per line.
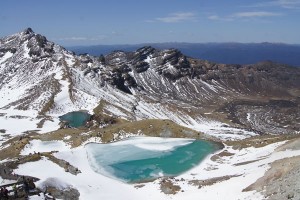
(67, 193)
(218, 156)
(6, 169)
(2, 131)
(76, 138)
(282, 180)
(43, 118)
(50, 102)
(37, 156)
(139, 186)
(248, 162)
(260, 141)
(293, 144)
(13, 146)
(64, 164)
(113, 132)
(154, 127)
(168, 186)
(257, 142)
(104, 108)
(211, 181)
(4, 137)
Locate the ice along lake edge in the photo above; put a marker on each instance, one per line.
(139, 159)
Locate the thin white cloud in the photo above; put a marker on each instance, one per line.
(177, 17)
(73, 38)
(255, 14)
(214, 17)
(289, 4)
(218, 18)
(244, 15)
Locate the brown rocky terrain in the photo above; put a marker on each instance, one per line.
(282, 180)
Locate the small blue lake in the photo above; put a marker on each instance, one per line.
(76, 118)
(146, 158)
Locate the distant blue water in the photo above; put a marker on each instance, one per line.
(133, 164)
(75, 119)
(228, 53)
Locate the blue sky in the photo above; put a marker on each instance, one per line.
(92, 22)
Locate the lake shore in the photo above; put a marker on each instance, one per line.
(219, 171)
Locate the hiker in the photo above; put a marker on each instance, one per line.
(26, 187)
(1, 192)
(5, 193)
(15, 189)
(31, 184)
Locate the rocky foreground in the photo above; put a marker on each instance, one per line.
(261, 167)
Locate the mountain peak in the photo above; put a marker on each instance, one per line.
(146, 49)
(28, 31)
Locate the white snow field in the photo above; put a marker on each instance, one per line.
(92, 185)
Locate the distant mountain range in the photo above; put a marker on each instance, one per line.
(228, 53)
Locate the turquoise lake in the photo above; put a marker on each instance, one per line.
(141, 159)
(76, 118)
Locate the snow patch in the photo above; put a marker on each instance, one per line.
(44, 146)
(6, 56)
(54, 182)
(155, 143)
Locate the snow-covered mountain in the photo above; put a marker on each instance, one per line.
(40, 80)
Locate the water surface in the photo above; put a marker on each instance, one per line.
(76, 118)
(141, 159)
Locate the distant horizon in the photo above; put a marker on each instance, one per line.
(146, 43)
(182, 42)
(227, 53)
(100, 22)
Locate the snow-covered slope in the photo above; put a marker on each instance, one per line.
(40, 80)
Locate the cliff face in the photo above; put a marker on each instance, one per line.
(39, 76)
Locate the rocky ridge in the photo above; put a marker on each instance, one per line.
(45, 78)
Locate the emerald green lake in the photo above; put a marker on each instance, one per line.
(141, 159)
(76, 119)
